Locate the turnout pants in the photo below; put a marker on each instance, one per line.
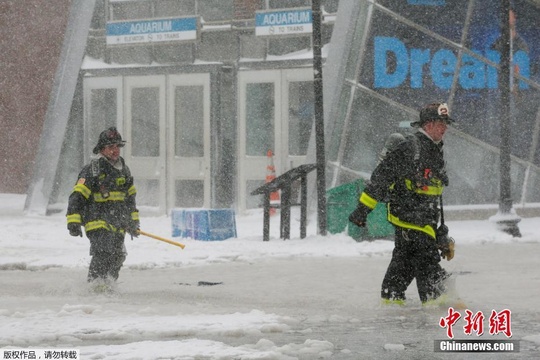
(108, 254)
(415, 256)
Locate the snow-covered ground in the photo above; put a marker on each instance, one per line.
(312, 298)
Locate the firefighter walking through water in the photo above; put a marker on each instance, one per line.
(410, 179)
(103, 201)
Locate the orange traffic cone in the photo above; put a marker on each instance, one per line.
(271, 175)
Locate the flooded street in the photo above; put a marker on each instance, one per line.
(325, 307)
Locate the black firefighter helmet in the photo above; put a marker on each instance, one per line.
(109, 137)
(433, 112)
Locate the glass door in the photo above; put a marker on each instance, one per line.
(298, 115)
(259, 123)
(275, 114)
(188, 148)
(145, 133)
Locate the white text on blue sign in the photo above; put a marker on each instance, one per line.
(147, 31)
(283, 22)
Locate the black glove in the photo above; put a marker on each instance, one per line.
(445, 243)
(359, 216)
(442, 231)
(133, 229)
(75, 229)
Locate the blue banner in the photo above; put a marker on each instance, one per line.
(158, 30)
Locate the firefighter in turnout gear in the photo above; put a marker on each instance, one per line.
(410, 179)
(103, 201)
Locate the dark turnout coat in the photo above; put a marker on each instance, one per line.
(103, 198)
(410, 179)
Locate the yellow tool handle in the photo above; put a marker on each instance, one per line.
(162, 239)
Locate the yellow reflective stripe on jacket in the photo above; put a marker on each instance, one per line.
(113, 196)
(132, 190)
(427, 229)
(74, 218)
(98, 224)
(368, 201)
(83, 189)
(101, 224)
(431, 190)
(135, 216)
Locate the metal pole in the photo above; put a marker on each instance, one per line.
(506, 219)
(319, 116)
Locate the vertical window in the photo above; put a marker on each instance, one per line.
(189, 193)
(253, 202)
(260, 109)
(148, 191)
(103, 112)
(301, 115)
(145, 121)
(189, 121)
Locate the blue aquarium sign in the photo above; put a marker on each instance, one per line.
(283, 22)
(150, 31)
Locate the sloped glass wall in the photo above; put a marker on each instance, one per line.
(405, 54)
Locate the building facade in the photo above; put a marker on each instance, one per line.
(405, 54)
(201, 90)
